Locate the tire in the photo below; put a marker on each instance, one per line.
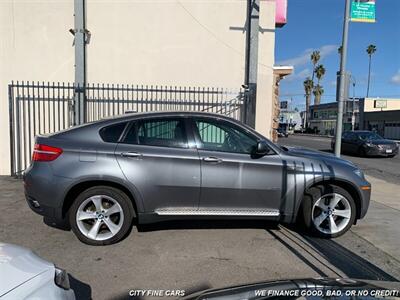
(95, 228)
(362, 152)
(343, 213)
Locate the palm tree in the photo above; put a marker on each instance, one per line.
(319, 73)
(318, 91)
(371, 49)
(315, 57)
(308, 87)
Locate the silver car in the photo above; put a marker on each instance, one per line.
(99, 178)
(24, 275)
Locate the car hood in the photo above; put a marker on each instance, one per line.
(315, 154)
(248, 291)
(18, 265)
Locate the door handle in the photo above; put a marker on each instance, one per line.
(212, 159)
(131, 154)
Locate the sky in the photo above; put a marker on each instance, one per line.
(318, 25)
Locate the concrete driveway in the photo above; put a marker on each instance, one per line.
(190, 255)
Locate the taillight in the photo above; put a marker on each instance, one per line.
(45, 153)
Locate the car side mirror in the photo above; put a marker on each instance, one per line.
(262, 148)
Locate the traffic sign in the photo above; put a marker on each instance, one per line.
(363, 11)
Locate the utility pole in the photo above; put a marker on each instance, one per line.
(251, 67)
(339, 120)
(80, 61)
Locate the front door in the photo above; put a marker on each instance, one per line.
(231, 179)
(156, 159)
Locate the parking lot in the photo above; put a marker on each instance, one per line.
(198, 255)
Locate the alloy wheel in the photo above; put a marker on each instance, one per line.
(99, 217)
(331, 213)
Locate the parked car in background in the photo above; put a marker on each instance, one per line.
(367, 143)
(24, 275)
(149, 167)
(282, 133)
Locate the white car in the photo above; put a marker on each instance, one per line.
(24, 275)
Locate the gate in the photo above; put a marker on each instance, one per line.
(43, 108)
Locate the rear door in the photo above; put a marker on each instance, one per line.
(156, 158)
(232, 181)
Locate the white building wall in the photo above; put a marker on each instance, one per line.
(160, 42)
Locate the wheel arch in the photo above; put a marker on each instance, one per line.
(81, 186)
(346, 185)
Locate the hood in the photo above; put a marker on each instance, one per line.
(18, 265)
(315, 154)
(248, 291)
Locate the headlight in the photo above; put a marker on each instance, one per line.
(359, 173)
(61, 279)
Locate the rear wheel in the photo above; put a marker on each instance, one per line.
(328, 210)
(101, 215)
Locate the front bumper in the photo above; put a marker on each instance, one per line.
(365, 199)
(376, 151)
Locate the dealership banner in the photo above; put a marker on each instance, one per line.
(363, 11)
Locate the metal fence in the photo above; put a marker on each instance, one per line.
(41, 108)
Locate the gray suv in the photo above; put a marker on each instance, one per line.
(100, 177)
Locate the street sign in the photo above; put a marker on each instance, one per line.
(363, 11)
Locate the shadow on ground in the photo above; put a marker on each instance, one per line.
(81, 289)
(207, 224)
(348, 262)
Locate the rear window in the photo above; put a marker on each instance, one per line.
(111, 134)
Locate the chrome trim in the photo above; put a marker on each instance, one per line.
(215, 212)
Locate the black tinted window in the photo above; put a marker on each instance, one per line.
(163, 133)
(111, 134)
(220, 136)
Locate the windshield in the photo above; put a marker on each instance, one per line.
(369, 136)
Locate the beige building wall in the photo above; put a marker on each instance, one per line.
(391, 104)
(159, 42)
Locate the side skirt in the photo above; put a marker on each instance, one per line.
(206, 214)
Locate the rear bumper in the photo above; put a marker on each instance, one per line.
(45, 192)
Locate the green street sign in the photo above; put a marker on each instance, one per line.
(363, 11)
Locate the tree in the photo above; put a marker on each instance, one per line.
(318, 91)
(371, 49)
(308, 87)
(319, 73)
(315, 57)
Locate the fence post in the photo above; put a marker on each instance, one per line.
(11, 125)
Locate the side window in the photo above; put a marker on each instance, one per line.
(351, 136)
(112, 133)
(220, 136)
(161, 132)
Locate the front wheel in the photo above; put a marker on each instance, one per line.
(328, 210)
(101, 215)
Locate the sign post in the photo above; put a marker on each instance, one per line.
(363, 11)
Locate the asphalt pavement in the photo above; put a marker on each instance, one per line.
(384, 168)
(192, 255)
